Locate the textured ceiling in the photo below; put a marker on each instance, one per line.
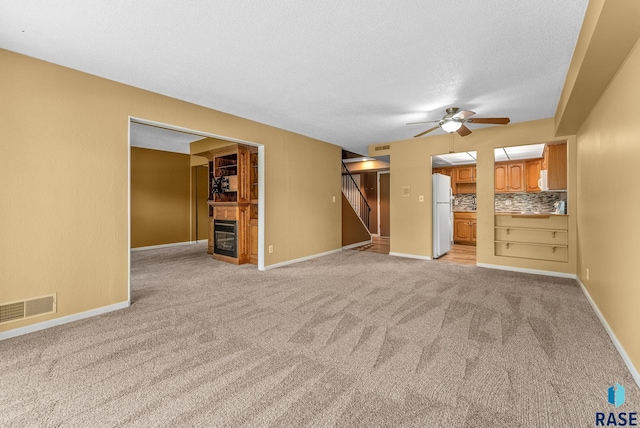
(348, 72)
(152, 137)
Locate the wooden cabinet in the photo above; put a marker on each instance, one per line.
(445, 171)
(557, 166)
(464, 228)
(233, 177)
(210, 236)
(253, 208)
(225, 212)
(463, 178)
(509, 177)
(533, 175)
(244, 232)
(466, 174)
(229, 170)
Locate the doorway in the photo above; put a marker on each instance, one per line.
(461, 168)
(198, 189)
(384, 212)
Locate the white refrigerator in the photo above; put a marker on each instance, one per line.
(442, 214)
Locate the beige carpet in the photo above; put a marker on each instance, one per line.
(351, 339)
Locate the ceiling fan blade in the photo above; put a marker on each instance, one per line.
(428, 121)
(463, 114)
(491, 120)
(463, 131)
(427, 131)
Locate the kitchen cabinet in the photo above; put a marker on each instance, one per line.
(464, 228)
(466, 174)
(557, 166)
(532, 175)
(445, 171)
(509, 177)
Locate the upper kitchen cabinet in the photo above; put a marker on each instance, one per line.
(532, 174)
(461, 167)
(445, 171)
(509, 177)
(557, 166)
(466, 174)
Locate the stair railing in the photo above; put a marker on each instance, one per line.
(354, 196)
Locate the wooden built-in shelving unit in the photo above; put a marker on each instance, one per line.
(234, 170)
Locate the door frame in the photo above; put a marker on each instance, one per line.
(261, 175)
(378, 191)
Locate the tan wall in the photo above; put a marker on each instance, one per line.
(65, 228)
(411, 166)
(609, 203)
(160, 190)
(200, 208)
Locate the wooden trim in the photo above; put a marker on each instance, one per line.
(225, 259)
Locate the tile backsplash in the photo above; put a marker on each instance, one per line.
(538, 202)
(464, 202)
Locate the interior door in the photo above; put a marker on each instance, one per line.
(384, 186)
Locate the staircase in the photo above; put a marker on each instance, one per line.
(356, 199)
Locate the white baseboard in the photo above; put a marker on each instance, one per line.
(301, 259)
(357, 244)
(612, 335)
(410, 256)
(62, 320)
(174, 244)
(525, 270)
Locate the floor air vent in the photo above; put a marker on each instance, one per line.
(22, 309)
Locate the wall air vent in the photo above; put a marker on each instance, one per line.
(385, 147)
(28, 308)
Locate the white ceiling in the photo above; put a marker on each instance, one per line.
(529, 151)
(461, 158)
(348, 72)
(152, 137)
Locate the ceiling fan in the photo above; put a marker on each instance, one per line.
(455, 119)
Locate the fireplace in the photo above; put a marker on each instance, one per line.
(225, 241)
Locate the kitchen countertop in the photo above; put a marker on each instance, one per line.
(464, 211)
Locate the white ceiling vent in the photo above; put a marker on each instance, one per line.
(23, 309)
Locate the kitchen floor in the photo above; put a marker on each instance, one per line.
(460, 254)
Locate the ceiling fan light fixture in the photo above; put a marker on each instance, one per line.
(451, 125)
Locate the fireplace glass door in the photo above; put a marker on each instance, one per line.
(225, 238)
